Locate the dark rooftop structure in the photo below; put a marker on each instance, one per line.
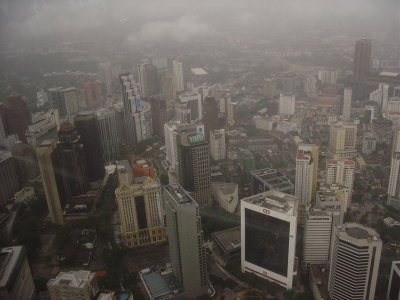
(270, 179)
(227, 242)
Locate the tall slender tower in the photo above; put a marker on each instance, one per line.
(356, 252)
(18, 116)
(306, 176)
(148, 80)
(347, 104)
(362, 65)
(178, 74)
(87, 127)
(185, 239)
(107, 125)
(342, 141)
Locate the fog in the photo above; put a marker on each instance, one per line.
(182, 20)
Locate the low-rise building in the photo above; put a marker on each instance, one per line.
(226, 195)
(264, 180)
(227, 243)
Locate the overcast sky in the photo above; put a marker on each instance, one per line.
(180, 20)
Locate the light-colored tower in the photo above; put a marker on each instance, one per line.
(393, 292)
(287, 104)
(178, 74)
(341, 172)
(396, 141)
(217, 144)
(139, 209)
(317, 236)
(65, 100)
(268, 233)
(108, 134)
(394, 181)
(148, 80)
(356, 253)
(185, 239)
(167, 86)
(347, 104)
(46, 157)
(104, 74)
(342, 141)
(306, 176)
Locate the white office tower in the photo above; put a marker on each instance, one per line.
(328, 76)
(65, 100)
(108, 134)
(356, 253)
(178, 74)
(217, 144)
(104, 75)
(306, 176)
(393, 292)
(185, 239)
(342, 141)
(310, 86)
(381, 96)
(396, 141)
(347, 104)
(394, 181)
(268, 234)
(317, 236)
(287, 104)
(341, 172)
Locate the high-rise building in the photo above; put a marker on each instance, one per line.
(288, 84)
(328, 76)
(65, 100)
(347, 104)
(342, 141)
(217, 144)
(139, 209)
(306, 176)
(88, 128)
(317, 236)
(210, 116)
(396, 142)
(178, 75)
(393, 292)
(46, 155)
(362, 65)
(185, 239)
(16, 281)
(268, 235)
(9, 183)
(356, 253)
(167, 86)
(193, 168)
(341, 172)
(79, 285)
(270, 89)
(25, 161)
(148, 80)
(287, 104)
(92, 94)
(109, 136)
(18, 117)
(310, 86)
(104, 73)
(158, 113)
(72, 162)
(264, 180)
(381, 96)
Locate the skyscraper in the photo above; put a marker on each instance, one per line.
(347, 104)
(217, 144)
(342, 141)
(92, 94)
(18, 116)
(158, 113)
(107, 125)
(210, 116)
(185, 239)
(46, 155)
(9, 183)
(362, 65)
(268, 235)
(105, 76)
(306, 176)
(287, 104)
(393, 292)
(193, 168)
(87, 127)
(167, 86)
(25, 161)
(178, 75)
(148, 80)
(139, 209)
(356, 252)
(72, 163)
(65, 100)
(394, 181)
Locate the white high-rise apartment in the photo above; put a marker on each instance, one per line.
(287, 104)
(356, 253)
(342, 141)
(185, 240)
(178, 74)
(317, 236)
(341, 172)
(139, 208)
(217, 144)
(394, 179)
(306, 176)
(268, 233)
(381, 96)
(396, 141)
(347, 104)
(328, 76)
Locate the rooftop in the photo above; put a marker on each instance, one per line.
(272, 178)
(199, 71)
(179, 194)
(357, 234)
(72, 279)
(225, 187)
(276, 201)
(197, 139)
(158, 284)
(228, 239)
